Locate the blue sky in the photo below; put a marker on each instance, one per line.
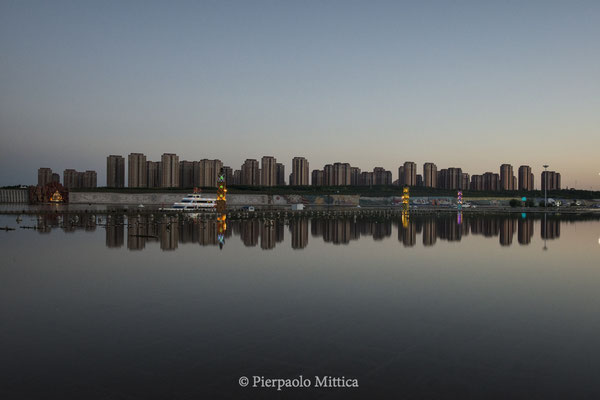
(470, 84)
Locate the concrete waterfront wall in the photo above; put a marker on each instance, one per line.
(167, 199)
(14, 196)
(157, 198)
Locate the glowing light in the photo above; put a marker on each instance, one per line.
(405, 219)
(405, 199)
(56, 198)
(523, 198)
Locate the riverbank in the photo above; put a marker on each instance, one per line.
(316, 211)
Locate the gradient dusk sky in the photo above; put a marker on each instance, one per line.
(469, 84)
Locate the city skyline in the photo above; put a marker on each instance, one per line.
(474, 84)
(143, 173)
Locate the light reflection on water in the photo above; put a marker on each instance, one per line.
(170, 231)
(431, 306)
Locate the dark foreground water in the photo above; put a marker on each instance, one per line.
(421, 307)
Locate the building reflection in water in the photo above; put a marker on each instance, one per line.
(267, 235)
(115, 232)
(550, 229)
(250, 232)
(507, 231)
(525, 230)
(299, 231)
(170, 231)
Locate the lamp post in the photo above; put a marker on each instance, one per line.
(545, 187)
(545, 232)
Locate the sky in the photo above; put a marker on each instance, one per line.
(470, 84)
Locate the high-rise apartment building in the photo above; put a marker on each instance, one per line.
(237, 177)
(354, 176)
(169, 170)
(419, 180)
(73, 179)
(55, 178)
(337, 174)
(90, 179)
(491, 182)
(228, 173)
(299, 172)
(186, 174)
(525, 178)
(206, 172)
(280, 174)
(137, 173)
(328, 177)
(410, 174)
(115, 171)
(153, 173)
(268, 171)
(250, 173)
(381, 176)
(430, 175)
(551, 180)
(70, 179)
(464, 183)
(341, 174)
(476, 182)
(401, 175)
(367, 179)
(317, 178)
(450, 178)
(506, 177)
(44, 176)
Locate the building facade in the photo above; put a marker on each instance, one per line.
(551, 180)
(280, 174)
(317, 178)
(381, 176)
(430, 175)
(186, 174)
(137, 173)
(268, 171)
(153, 173)
(115, 171)
(299, 176)
(169, 177)
(44, 176)
(507, 177)
(410, 174)
(525, 178)
(250, 173)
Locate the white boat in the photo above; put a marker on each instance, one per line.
(193, 202)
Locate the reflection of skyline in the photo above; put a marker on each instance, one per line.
(525, 229)
(169, 232)
(299, 229)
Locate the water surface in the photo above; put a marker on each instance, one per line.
(444, 306)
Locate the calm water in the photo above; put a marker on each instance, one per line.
(424, 307)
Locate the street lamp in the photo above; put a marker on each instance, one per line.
(545, 187)
(545, 232)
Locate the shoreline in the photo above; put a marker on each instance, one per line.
(309, 211)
